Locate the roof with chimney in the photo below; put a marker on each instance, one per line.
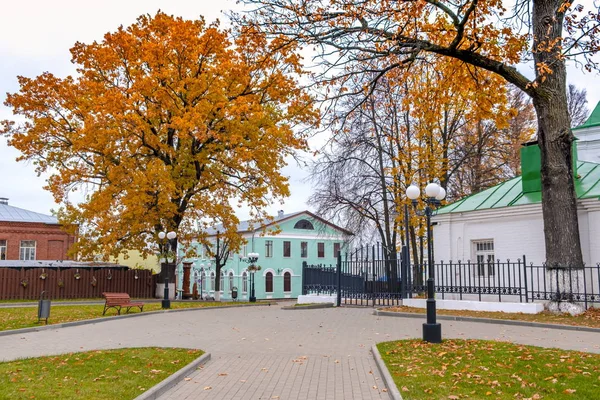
(511, 193)
(254, 226)
(15, 214)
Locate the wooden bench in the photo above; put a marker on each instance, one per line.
(118, 301)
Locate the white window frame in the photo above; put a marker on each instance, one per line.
(244, 282)
(304, 251)
(230, 276)
(27, 252)
(3, 249)
(268, 248)
(222, 281)
(483, 251)
(212, 281)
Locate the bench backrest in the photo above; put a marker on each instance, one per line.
(116, 298)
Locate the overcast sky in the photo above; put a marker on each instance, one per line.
(35, 36)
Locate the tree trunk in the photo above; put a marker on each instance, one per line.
(559, 202)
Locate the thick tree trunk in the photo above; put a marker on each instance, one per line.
(559, 203)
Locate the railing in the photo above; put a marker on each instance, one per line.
(513, 281)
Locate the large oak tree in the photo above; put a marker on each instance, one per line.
(483, 35)
(165, 124)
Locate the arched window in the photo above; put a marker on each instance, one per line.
(304, 224)
(269, 282)
(244, 282)
(222, 281)
(212, 280)
(203, 281)
(287, 282)
(230, 280)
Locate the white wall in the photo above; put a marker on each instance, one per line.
(516, 231)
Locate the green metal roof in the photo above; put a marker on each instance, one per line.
(510, 193)
(593, 120)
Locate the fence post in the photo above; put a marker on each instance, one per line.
(304, 277)
(339, 280)
(525, 278)
(403, 272)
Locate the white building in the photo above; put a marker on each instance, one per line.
(505, 221)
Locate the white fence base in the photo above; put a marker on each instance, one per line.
(525, 308)
(316, 298)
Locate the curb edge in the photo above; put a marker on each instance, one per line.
(392, 390)
(163, 386)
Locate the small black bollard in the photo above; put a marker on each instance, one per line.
(166, 303)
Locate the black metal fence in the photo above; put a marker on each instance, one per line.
(367, 276)
(372, 276)
(514, 281)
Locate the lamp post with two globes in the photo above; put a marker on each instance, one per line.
(432, 331)
(251, 259)
(166, 247)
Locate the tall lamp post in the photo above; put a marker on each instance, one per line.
(166, 248)
(252, 258)
(432, 331)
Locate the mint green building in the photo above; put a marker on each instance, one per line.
(303, 237)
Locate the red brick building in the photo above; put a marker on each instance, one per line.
(27, 235)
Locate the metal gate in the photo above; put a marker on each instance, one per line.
(368, 276)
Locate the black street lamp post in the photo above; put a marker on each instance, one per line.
(432, 331)
(166, 248)
(252, 258)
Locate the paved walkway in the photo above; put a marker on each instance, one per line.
(270, 353)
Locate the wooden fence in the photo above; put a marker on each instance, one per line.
(74, 283)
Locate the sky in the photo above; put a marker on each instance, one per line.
(35, 36)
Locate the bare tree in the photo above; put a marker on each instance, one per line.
(577, 101)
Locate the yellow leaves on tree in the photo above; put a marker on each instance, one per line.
(166, 122)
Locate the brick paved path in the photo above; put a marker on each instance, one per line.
(270, 353)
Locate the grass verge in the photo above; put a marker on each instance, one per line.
(26, 317)
(478, 369)
(105, 374)
(590, 318)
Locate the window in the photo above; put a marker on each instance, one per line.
(304, 224)
(303, 249)
(27, 250)
(484, 254)
(287, 282)
(2, 249)
(321, 250)
(203, 281)
(212, 280)
(269, 282)
(244, 251)
(222, 281)
(230, 280)
(269, 248)
(336, 249)
(287, 249)
(244, 282)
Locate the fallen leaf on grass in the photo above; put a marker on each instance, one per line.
(404, 389)
(570, 391)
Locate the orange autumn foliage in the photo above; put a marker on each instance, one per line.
(166, 123)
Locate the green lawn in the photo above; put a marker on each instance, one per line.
(107, 374)
(478, 369)
(25, 317)
(590, 318)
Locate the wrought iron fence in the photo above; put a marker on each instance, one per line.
(513, 281)
(369, 276)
